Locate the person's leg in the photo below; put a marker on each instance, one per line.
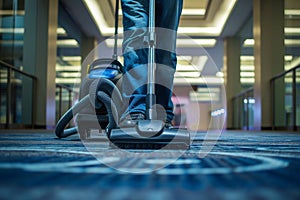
(167, 20)
(135, 22)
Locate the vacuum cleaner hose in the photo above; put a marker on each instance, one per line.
(68, 116)
(100, 93)
(107, 87)
(111, 109)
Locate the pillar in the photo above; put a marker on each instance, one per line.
(268, 19)
(39, 59)
(232, 51)
(88, 44)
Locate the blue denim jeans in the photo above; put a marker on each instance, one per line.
(135, 52)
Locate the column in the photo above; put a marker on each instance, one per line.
(39, 58)
(268, 19)
(87, 46)
(232, 53)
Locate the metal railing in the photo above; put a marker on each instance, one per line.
(241, 109)
(12, 93)
(7, 98)
(285, 102)
(64, 101)
(292, 113)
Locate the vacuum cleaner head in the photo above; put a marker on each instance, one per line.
(149, 134)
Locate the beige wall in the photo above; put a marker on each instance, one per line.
(197, 114)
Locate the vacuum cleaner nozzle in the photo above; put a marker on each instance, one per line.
(149, 134)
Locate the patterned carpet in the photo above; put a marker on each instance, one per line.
(236, 165)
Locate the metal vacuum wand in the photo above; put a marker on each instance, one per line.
(151, 97)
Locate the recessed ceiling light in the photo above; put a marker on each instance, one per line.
(70, 74)
(60, 31)
(67, 43)
(247, 74)
(292, 12)
(220, 74)
(68, 68)
(214, 29)
(292, 42)
(247, 80)
(287, 42)
(186, 68)
(12, 12)
(199, 81)
(247, 58)
(184, 58)
(196, 42)
(288, 58)
(247, 68)
(67, 80)
(194, 74)
(292, 31)
(12, 30)
(249, 43)
(72, 58)
(193, 12)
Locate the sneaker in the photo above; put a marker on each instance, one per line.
(131, 119)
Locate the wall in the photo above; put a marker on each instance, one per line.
(197, 114)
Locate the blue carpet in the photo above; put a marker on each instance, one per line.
(238, 165)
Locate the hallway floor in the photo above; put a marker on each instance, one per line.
(236, 165)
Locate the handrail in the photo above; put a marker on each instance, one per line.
(244, 94)
(294, 93)
(285, 72)
(65, 87)
(11, 68)
(70, 91)
(248, 90)
(8, 66)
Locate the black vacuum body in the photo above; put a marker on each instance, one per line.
(94, 115)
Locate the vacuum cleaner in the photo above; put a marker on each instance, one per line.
(104, 99)
(100, 82)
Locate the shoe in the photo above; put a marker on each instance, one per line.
(132, 119)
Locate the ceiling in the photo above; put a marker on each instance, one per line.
(203, 27)
(201, 18)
